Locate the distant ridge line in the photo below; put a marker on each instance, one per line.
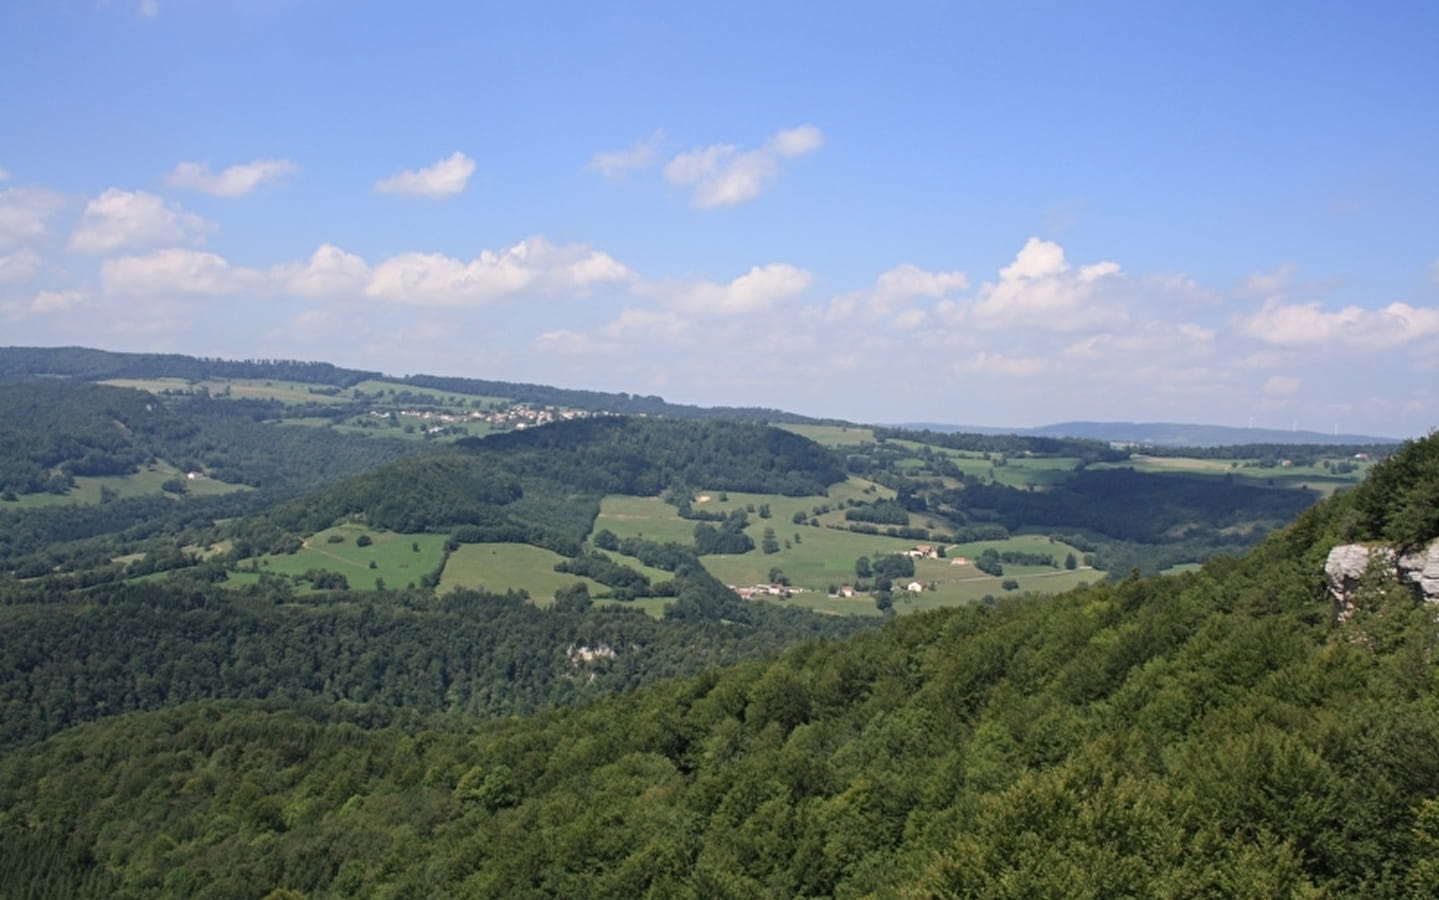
(1165, 434)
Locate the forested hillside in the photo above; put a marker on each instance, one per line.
(1210, 734)
(97, 365)
(51, 431)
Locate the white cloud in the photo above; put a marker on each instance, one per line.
(56, 301)
(1040, 290)
(433, 279)
(1264, 360)
(149, 9)
(44, 303)
(1281, 386)
(797, 141)
(1186, 338)
(1293, 324)
(23, 214)
(236, 181)
(1006, 366)
(760, 288)
(615, 163)
(4, 174)
(721, 175)
(118, 219)
(445, 178)
(19, 266)
(329, 272)
(1434, 272)
(902, 283)
(1197, 334)
(176, 271)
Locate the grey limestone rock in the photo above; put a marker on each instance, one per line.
(1347, 564)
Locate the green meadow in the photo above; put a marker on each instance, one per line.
(816, 558)
(146, 482)
(1314, 477)
(291, 392)
(501, 567)
(647, 517)
(385, 390)
(833, 435)
(397, 559)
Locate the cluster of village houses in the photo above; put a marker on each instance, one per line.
(516, 416)
(918, 551)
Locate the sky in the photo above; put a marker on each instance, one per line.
(985, 213)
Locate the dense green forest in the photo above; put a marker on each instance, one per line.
(1216, 733)
(149, 645)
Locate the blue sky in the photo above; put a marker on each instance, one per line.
(983, 213)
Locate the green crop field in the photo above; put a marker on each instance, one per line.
(395, 558)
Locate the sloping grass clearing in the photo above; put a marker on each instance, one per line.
(399, 559)
(501, 567)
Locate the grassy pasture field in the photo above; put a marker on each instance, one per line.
(501, 567)
(292, 392)
(1017, 471)
(647, 517)
(1315, 477)
(833, 435)
(824, 557)
(145, 482)
(396, 561)
(381, 390)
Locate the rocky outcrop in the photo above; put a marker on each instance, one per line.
(1349, 563)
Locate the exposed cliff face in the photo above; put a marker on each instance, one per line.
(1348, 563)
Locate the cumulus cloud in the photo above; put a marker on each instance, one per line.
(1156, 337)
(44, 303)
(19, 266)
(617, 335)
(898, 285)
(177, 271)
(1041, 290)
(24, 212)
(118, 220)
(236, 181)
(433, 279)
(445, 178)
(615, 163)
(329, 272)
(1295, 324)
(758, 289)
(723, 175)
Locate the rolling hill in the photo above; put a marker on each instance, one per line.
(1215, 733)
